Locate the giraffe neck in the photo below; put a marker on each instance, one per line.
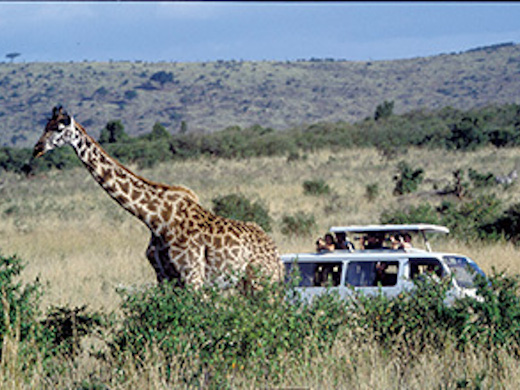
(125, 187)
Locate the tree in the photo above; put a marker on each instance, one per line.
(467, 134)
(12, 56)
(162, 77)
(184, 127)
(384, 110)
(113, 132)
(159, 131)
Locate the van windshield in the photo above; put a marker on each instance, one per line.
(464, 270)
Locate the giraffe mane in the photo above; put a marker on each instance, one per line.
(183, 189)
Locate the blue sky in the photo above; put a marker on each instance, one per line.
(209, 31)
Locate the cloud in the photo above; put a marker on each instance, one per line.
(43, 13)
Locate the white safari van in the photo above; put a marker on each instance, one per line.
(381, 259)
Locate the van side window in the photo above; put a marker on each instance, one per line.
(372, 273)
(315, 274)
(425, 266)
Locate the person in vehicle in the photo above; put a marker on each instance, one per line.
(326, 244)
(342, 241)
(401, 241)
(407, 241)
(372, 241)
(380, 273)
(395, 241)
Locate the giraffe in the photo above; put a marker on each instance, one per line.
(189, 245)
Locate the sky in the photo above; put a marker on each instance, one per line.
(250, 31)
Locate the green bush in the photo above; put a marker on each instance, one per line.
(481, 180)
(316, 187)
(384, 110)
(444, 128)
(410, 322)
(218, 334)
(238, 207)
(371, 192)
(408, 179)
(64, 328)
(474, 219)
(422, 213)
(113, 132)
(494, 321)
(299, 224)
(506, 226)
(19, 303)
(420, 319)
(467, 220)
(467, 134)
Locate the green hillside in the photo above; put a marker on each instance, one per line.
(211, 96)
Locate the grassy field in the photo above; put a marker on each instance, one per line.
(80, 242)
(82, 246)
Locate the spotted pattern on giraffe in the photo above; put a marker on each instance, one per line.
(189, 245)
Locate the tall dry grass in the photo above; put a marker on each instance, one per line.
(82, 245)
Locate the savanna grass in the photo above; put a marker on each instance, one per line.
(83, 248)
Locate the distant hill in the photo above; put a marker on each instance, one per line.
(211, 96)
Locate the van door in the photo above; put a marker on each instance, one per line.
(372, 277)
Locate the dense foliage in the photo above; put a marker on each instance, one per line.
(205, 338)
(238, 207)
(446, 128)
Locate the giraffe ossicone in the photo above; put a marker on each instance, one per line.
(189, 245)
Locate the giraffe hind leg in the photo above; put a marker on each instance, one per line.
(153, 254)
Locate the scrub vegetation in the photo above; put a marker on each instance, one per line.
(79, 304)
(207, 97)
(83, 310)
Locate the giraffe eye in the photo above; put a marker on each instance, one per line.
(66, 120)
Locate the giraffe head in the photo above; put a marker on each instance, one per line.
(60, 130)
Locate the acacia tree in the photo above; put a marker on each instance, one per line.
(12, 56)
(113, 132)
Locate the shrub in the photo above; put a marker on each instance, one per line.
(506, 226)
(467, 134)
(467, 220)
(299, 224)
(64, 328)
(420, 319)
(162, 77)
(481, 180)
(371, 191)
(384, 110)
(410, 322)
(19, 304)
(478, 218)
(408, 179)
(423, 213)
(113, 132)
(217, 335)
(237, 206)
(494, 321)
(316, 187)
